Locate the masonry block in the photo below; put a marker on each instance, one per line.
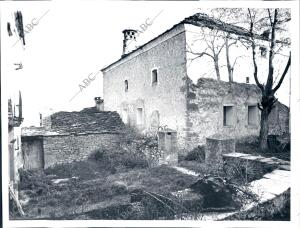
(167, 144)
(217, 145)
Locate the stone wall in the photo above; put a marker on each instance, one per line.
(162, 103)
(279, 120)
(67, 148)
(205, 112)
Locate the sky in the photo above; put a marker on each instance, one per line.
(71, 42)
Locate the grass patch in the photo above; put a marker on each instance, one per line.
(55, 199)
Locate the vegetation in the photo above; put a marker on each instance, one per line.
(59, 200)
(250, 145)
(197, 154)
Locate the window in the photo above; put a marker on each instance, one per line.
(228, 115)
(247, 80)
(126, 85)
(154, 77)
(263, 51)
(252, 115)
(139, 116)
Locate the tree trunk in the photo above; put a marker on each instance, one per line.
(216, 61)
(229, 67)
(264, 129)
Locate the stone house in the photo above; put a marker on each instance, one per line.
(15, 120)
(157, 85)
(70, 136)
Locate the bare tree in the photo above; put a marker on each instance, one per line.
(212, 50)
(216, 40)
(268, 89)
(230, 67)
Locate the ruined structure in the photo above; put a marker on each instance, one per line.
(156, 85)
(70, 136)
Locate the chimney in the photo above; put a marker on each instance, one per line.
(247, 80)
(47, 122)
(129, 41)
(41, 119)
(99, 104)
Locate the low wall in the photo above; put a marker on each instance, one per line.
(67, 148)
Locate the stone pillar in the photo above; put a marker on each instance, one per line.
(167, 144)
(216, 145)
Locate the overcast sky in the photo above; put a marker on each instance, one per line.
(72, 41)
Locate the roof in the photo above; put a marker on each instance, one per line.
(86, 121)
(198, 19)
(37, 131)
(89, 110)
(203, 20)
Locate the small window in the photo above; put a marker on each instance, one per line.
(126, 85)
(247, 80)
(228, 115)
(263, 51)
(139, 117)
(154, 77)
(252, 115)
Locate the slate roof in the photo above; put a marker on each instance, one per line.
(36, 131)
(89, 110)
(87, 121)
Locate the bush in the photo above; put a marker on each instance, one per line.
(98, 154)
(52, 202)
(115, 160)
(135, 161)
(197, 154)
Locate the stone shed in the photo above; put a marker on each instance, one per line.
(70, 136)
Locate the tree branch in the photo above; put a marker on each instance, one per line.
(283, 74)
(253, 53)
(269, 83)
(200, 54)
